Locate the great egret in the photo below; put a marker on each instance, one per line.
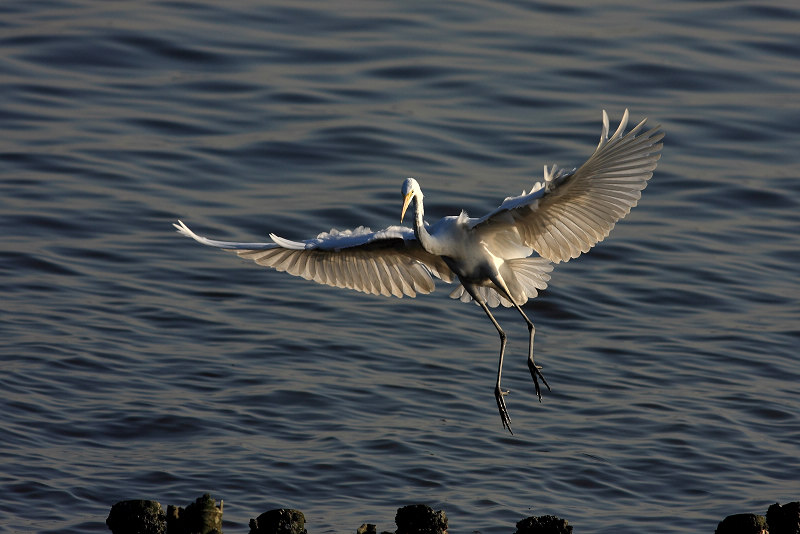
(560, 218)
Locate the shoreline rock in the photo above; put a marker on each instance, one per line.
(784, 519)
(281, 521)
(743, 524)
(204, 517)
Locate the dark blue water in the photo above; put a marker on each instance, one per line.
(137, 364)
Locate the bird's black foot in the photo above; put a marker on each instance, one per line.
(536, 372)
(501, 405)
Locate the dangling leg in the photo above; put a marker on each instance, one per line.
(534, 369)
(498, 393)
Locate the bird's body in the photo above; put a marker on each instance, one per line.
(560, 218)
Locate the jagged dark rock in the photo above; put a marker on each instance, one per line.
(200, 517)
(784, 519)
(137, 517)
(420, 519)
(742, 524)
(543, 524)
(280, 521)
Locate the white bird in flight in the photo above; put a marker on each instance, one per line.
(491, 256)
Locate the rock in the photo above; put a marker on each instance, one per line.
(420, 519)
(200, 517)
(784, 519)
(743, 524)
(281, 521)
(544, 524)
(137, 517)
(367, 528)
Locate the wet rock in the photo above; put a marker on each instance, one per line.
(784, 519)
(137, 517)
(743, 524)
(200, 517)
(281, 521)
(420, 519)
(544, 524)
(367, 528)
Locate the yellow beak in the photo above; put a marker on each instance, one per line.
(406, 202)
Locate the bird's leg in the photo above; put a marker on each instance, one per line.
(498, 393)
(534, 369)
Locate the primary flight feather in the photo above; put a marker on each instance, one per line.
(561, 217)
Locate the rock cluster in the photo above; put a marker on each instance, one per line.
(204, 517)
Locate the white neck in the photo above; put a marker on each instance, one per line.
(425, 239)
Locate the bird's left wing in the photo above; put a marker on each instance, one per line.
(388, 262)
(571, 211)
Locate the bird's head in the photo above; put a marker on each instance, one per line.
(409, 189)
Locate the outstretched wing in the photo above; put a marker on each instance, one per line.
(387, 262)
(571, 211)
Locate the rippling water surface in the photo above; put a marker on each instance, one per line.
(137, 364)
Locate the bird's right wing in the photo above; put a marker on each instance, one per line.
(571, 211)
(388, 262)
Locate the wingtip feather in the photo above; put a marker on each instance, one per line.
(287, 243)
(185, 231)
(622, 125)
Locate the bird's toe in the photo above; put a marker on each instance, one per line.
(501, 406)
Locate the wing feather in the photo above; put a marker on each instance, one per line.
(370, 276)
(377, 278)
(326, 277)
(389, 286)
(570, 212)
(404, 281)
(395, 279)
(341, 278)
(382, 280)
(388, 262)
